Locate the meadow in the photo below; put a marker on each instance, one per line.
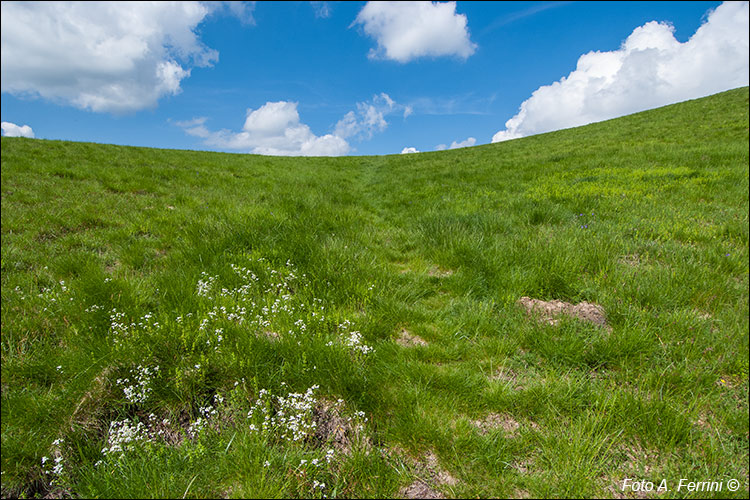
(198, 324)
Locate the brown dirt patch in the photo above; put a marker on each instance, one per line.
(497, 421)
(508, 424)
(441, 476)
(333, 429)
(548, 311)
(408, 339)
(430, 477)
(419, 489)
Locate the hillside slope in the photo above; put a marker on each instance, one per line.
(240, 325)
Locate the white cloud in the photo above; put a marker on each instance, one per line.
(272, 129)
(463, 144)
(454, 145)
(13, 130)
(369, 118)
(321, 9)
(275, 129)
(650, 69)
(408, 30)
(241, 10)
(114, 57)
(409, 150)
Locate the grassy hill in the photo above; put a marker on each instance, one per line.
(179, 323)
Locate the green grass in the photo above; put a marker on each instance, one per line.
(646, 215)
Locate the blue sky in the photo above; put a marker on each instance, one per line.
(332, 78)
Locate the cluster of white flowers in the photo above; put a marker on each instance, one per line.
(58, 469)
(361, 418)
(93, 308)
(140, 390)
(19, 292)
(123, 436)
(207, 412)
(263, 296)
(196, 427)
(54, 295)
(318, 485)
(289, 417)
(205, 285)
(156, 427)
(352, 339)
(120, 329)
(118, 326)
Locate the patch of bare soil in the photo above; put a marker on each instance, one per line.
(419, 489)
(524, 465)
(497, 421)
(271, 335)
(437, 272)
(636, 462)
(440, 475)
(408, 339)
(430, 477)
(702, 314)
(632, 260)
(333, 429)
(548, 311)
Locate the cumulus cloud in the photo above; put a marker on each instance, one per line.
(273, 129)
(463, 144)
(409, 150)
(114, 57)
(13, 130)
(650, 69)
(408, 30)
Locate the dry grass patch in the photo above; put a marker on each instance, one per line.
(438, 272)
(508, 424)
(636, 462)
(408, 339)
(548, 311)
(631, 260)
(90, 411)
(508, 377)
(271, 335)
